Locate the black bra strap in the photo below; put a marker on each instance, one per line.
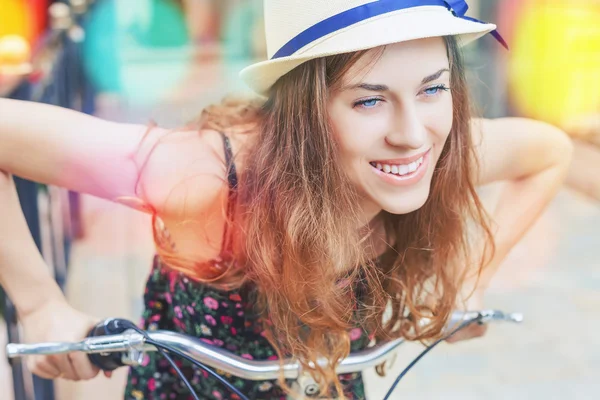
(232, 179)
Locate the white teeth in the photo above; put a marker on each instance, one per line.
(399, 169)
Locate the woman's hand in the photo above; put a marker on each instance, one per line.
(475, 330)
(57, 321)
(42, 308)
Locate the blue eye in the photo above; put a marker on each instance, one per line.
(435, 90)
(368, 103)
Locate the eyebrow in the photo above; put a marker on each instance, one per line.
(435, 76)
(385, 88)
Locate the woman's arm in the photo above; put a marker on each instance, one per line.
(43, 311)
(23, 273)
(533, 158)
(148, 169)
(58, 146)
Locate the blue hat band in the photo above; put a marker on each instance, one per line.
(367, 11)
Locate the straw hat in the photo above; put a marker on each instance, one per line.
(301, 30)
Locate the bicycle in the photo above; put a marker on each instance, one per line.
(114, 343)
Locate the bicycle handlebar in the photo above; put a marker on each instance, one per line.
(211, 356)
(133, 345)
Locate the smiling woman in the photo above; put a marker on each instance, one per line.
(286, 226)
(309, 177)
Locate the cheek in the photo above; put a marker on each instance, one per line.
(440, 125)
(354, 137)
(443, 132)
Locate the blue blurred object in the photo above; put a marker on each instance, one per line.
(136, 48)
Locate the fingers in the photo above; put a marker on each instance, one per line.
(81, 363)
(42, 368)
(472, 331)
(67, 369)
(47, 373)
(74, 366)
(478, 330)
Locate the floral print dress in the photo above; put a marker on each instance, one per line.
(219, 318)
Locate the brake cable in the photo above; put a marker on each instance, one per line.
(162, 349)
(462, 326)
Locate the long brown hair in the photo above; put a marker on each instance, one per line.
(297, 216)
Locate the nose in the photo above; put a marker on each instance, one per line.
(407, 129)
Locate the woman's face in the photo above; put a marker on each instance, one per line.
(391, 119)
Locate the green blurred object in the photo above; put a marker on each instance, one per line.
(237, 36)
(239, 33)
(136, 48)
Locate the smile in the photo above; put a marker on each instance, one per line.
(402, 172)
(401, 169)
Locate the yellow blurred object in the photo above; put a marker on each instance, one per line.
(554, 65)
(14, 50)
(15, 18)
(15, 54)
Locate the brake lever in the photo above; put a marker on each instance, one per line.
(495, 315)
(484, 317)
(111, 361)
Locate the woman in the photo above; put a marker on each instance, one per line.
(284, 227)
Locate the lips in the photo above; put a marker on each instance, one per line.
(401, 161)
(401, 170)
(404, 174)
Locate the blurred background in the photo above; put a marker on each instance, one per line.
(164, 60)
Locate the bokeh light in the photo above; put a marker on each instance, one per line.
(15, 51)
(138, 48)
(554, 65)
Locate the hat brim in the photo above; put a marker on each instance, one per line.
(416, 23)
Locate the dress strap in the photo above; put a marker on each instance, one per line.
(232, 179)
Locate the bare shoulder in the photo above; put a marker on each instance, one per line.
(184, 179)
(184, 172)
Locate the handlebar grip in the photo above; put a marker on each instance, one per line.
(108, 361)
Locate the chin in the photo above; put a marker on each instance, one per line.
(406, 204)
